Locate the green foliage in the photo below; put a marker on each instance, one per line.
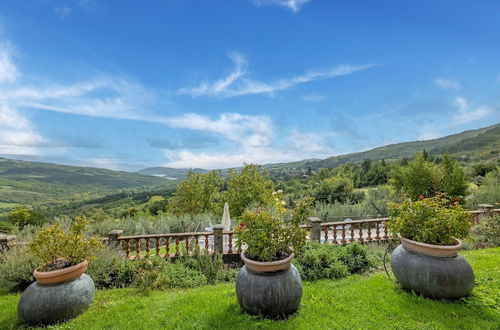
(422, 177)
(58, 247)
(319, 261)
(487, 193)
(335, 189)
(249, 187)
(210, 265)
(433, 220)
(268, 237)
(22, 216)
(155, 273)
(354, 302)
(109, 269)
(156, 205)
(198, 193)
(16, 269)
(487, 232)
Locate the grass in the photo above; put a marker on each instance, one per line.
(355, 302)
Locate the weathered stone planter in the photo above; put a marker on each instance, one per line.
(272, 294)
(43, 304)
(433, 276)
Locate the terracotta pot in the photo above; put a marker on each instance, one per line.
(431, 249)
(270, 266)
(61, 275)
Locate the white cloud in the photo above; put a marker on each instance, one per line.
(253, 134)
(447, 84)
(314, 98)
(8, 71)
(236, 82)
(62, 11)
(17, 135)
(293, 5)
(467, 114)
(255, 131)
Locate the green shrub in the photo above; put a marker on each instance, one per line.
(433, 220)
(16, 269)
(320, 260)
(267, 236)
(58, 247)
(486, 233)
(109, 269)
(355, 257)
(156, 273)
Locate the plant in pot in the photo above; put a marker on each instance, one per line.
(268, 284)
(61, 290)
(427, 261)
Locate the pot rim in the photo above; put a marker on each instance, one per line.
(266, 266)
(47, 276)
(431, 249)
(435, 246)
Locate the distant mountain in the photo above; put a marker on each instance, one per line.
(33, 183)
(170, 173)
(475, 145)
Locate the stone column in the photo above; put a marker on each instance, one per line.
(218, 239)
(113, 237)
(315, 229)
(6, 241)
(486, 209)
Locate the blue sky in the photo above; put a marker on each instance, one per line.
(127, 84)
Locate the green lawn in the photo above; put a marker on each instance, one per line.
(356, 302)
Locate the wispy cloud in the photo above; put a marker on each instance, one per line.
(236, 83)
(293, 5)
(247, 130)
(314, 98)
(8, 71)
(254, 137)
(62, 11)
(444, 83)
(466, 113)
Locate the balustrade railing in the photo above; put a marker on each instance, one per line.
(175, 244)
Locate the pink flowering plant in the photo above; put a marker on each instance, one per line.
(437, 220)
(267, 236)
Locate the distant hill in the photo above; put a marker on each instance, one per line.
(474, 145)
(34, 183)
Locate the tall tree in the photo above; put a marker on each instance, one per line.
(198, 193)
(249, 187)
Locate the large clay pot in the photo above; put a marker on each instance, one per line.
(272, 294)
(61, 275)
(433, 276)
(43, 304)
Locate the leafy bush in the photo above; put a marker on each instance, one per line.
(487, 193)
(268, 237)
(16, 269)
(211, 266)
(57, 247)
(320, 260)
(355, 257)
(109, 269)
(487, 233)
(433, 220)
(155, 273)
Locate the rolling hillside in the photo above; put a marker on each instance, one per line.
(475, 145)
(44, 184)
